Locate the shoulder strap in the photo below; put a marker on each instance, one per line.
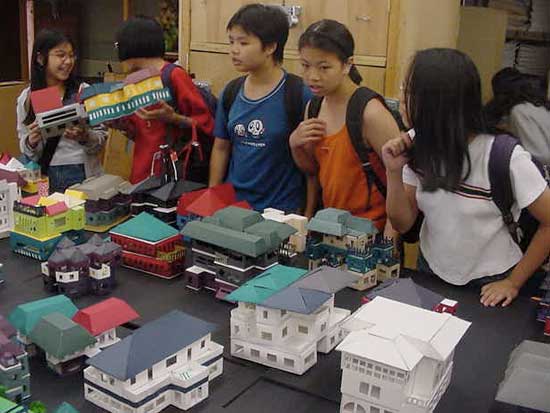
(230, 93)
(294, 105)
(500, 181)
(354, 123)
(314, 107)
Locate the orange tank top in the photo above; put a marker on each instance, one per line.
(343, 181)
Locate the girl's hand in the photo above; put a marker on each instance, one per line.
(163, 112)
(76, 133)
(34, 136)
(499, 291)
(309, 131)
(394, 153)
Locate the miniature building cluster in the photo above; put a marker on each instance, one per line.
(339, 239)
(297, 241)
(232, 246)
(14, 365)
(76, 270)
(67, 336)
(526, 380)
(156, 366)
(106, 205)
(150, 245)
(397, 357)
(543, 311)
(286, 315)
(41, 222)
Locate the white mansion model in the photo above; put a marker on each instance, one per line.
(169, 361)
(397, 358)
(286, 315)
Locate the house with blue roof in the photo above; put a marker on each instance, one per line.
(286, 315)
(169, 361)
(340, 240)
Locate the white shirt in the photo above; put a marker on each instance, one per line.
(68, 152)
(463, 236)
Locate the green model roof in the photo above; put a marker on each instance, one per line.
(237, 218)
(337, 222)
(25, 316)
(145, 227)
(65, 408)
(60, 336)
(7, 406)
(263, 286)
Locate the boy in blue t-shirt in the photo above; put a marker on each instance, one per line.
(251, 149)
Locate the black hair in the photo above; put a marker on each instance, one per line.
(140, 37)
(510, 88)
(46, 40)
(267, 23)
(334, 37)
(442, 94)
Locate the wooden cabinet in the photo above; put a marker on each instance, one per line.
(387, 33)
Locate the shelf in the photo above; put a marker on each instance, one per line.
(526, 36)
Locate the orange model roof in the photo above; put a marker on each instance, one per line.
(104, 316)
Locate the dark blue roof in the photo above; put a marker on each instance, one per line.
(298, 300)
(151, 344)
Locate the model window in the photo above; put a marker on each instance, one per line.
(265, 315)
(303, 330)
(203, 343)
(285, 331)
(375, 392)
(267, 336)
(364, 388)
(132, 381)
(374, 409)
(289, 362)
(171, 361)
(271, 357)
(189, 352)
(283, 313)
(150, 374)
(255, 353)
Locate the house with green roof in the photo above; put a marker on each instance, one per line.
(7, 406)
(231, 246)
(286, 315)
(150, 245)
(63, 341)
(25, 316)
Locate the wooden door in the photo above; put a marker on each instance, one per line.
(209, 19)
(366, 19)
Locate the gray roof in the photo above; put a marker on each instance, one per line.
(65, 243)
(101, 187)
(406, 291)
(527, 382)
(337, 222)
(173, 190)
(327, 279)
(151, 344)
(147, 184)
(298, 300)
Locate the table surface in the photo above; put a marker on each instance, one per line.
(479, 363)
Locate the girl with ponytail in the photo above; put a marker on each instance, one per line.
(323, 145)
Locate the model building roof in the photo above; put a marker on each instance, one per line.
(145, 227)
(65, 408)
(12, 176)
(207, 202)
(9, 351)
(7, 406)
(104, 316)
(151, 344)
(6, 328)
(337, 222)
(25, 316)
(174, 190)
(400, 335)
(101, 187)
(406, 291)
(99, 89)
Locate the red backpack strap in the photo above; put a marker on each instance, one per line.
(370, 161)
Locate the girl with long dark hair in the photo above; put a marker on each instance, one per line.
(73, 156)
(444, 174)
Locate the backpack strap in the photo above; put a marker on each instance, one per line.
(294, 100)
(314, 107)
(166, 77)
(230, 94)
(354, 123)
(500, 181)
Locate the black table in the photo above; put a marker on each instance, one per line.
(480, 359)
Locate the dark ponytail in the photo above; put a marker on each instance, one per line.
(332, 36)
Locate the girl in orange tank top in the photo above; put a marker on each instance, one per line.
(321, 145)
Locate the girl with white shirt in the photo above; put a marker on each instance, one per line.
(73, 156)
(444, 175)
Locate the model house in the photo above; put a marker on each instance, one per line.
(101, 320)
(397, 358)
(7, 406)
(106, 206)
(297, 241)
(137, 376)
(35, 182)
(286, 315)
(151, 246)
(9, 194)
(88, 268)
(14, 365)
(526, 380)
(206, 202)
(232, 246)
(338, 239)
(41, 222)
(406, 291)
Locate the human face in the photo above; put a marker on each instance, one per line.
(246, 50)
(61, 60)
(323, 71)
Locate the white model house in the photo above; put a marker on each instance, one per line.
(298, 222)
(169, 361)
(9, 193)
(286, 315)
(397, 358)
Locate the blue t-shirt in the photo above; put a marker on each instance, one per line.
(261, 167)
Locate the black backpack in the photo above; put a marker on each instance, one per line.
(193, 150)
(354, 123)
(294, 101)
(502, 194)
